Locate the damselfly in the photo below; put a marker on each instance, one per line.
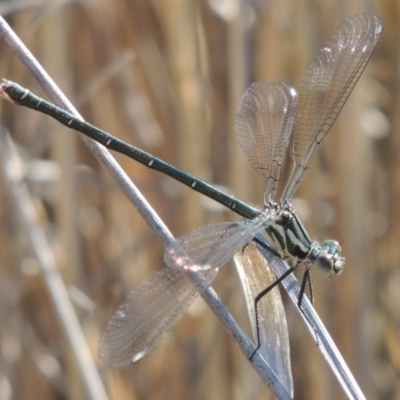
(268, 114)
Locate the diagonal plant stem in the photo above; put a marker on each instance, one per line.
(152, 219)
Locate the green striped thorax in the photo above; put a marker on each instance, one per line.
(289, 237)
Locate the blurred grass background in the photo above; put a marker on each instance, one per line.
(167, 76)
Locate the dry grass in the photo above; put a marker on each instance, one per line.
(167, 76)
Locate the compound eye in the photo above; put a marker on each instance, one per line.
(331, 246)
(324, 263)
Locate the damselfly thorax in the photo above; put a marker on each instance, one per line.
(291, 241)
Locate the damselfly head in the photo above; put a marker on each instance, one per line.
(329, 260)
